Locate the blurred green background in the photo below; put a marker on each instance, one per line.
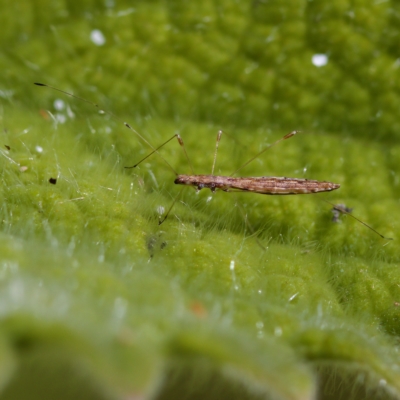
(234, 295)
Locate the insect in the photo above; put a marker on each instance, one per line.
(261, 185)
(338, 209)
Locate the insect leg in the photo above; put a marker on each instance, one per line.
(163, 144)
(170, 208)
(216, 150)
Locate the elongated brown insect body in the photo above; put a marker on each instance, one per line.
(260, 184)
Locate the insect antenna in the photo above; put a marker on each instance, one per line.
(112, 116)
(287, 136)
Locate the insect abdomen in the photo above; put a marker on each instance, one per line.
(281, 186)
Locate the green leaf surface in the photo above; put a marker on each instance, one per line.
(235, 295)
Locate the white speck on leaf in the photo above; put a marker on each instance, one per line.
(319, 60)
(97, 37)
